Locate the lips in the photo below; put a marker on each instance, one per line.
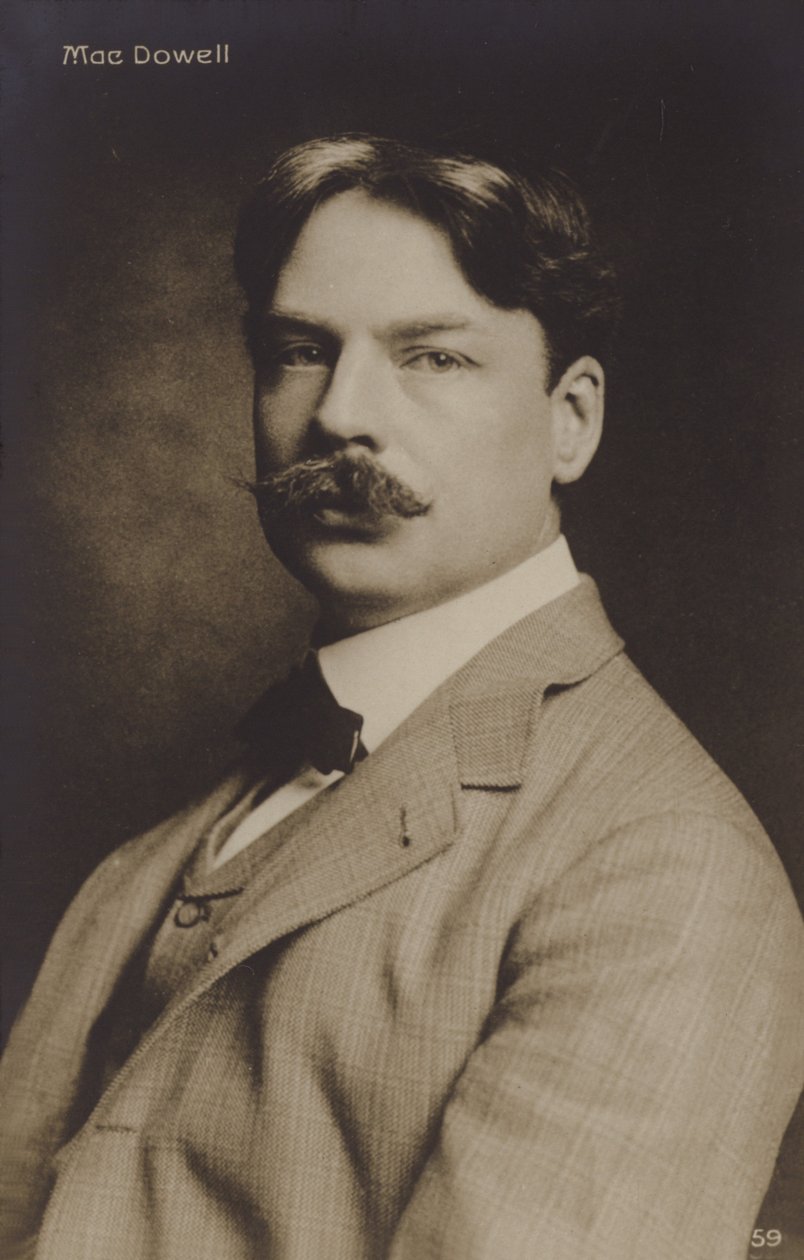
(346, 514)
(335, 500)
(340, 520)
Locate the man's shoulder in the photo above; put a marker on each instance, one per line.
(162, 849)
(635, 796)
(628, 737)
(603, 743)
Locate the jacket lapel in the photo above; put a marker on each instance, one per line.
(394, 812)
(497, 696)
(398, 808)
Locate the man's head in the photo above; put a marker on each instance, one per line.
(432, 319)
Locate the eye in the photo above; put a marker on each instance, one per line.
(304, 354)
(439, 362)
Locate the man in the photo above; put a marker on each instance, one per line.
(476, 953)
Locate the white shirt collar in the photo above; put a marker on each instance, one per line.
(386, 672)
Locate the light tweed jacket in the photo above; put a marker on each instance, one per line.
(526, 984)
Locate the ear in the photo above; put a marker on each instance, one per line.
(576, 406)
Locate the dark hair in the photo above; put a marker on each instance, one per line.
(522, 244)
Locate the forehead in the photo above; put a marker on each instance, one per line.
(363, 263)
(357, 243)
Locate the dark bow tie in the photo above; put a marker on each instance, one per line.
(301, 720)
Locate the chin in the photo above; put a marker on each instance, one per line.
(359, 584)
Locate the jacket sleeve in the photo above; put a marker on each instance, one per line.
(632, 1085)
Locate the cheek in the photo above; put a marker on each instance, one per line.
(507, 444)
(525, 439)
(281, 418)
(505, 482)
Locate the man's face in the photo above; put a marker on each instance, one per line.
(375, 345)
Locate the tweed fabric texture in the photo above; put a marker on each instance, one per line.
(527, 983)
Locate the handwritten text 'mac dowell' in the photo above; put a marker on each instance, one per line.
(142, 55)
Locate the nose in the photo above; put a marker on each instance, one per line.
(352, 407)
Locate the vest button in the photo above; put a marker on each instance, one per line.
(189, 913)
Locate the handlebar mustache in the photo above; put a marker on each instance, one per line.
(343, 481)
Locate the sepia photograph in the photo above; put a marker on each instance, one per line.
(403, 685)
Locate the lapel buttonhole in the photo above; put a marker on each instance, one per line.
(404, 839)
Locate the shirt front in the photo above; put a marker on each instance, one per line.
(387, 672)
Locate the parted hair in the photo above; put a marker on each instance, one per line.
(524, 244)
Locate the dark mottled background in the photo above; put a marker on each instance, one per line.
(142, 612)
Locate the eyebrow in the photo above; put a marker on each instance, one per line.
(398, 330)
(289, 319)
(403, 329)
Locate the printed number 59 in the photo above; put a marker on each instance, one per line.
(766, 1237)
